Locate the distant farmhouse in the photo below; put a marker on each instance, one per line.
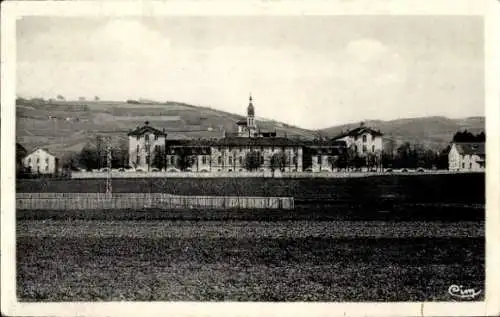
(467, 156)
(363, 139)
(232, 152)
(41, 161)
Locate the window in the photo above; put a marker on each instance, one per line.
(463, 165)
(137, 137)
(37, 160)
(241, 160)
(138, 159)
(219, 160)
(203, 159)
(146, 137)
(29, 160)
(364, 148)
(364, 138)
(157, 148)
(147, 159)
(262, 159)
(295, 160)
(46, 168)
(156, 137)
(373, 148)
(172, 160)
(230, 160)
(47, 160)
(138, 149)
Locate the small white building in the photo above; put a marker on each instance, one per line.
(41, 161)
(467, 157)
(363, 139)
(143, 143)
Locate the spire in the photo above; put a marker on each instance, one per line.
(250, 109)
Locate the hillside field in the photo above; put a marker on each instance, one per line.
(66, 126)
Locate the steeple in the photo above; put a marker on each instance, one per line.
(250, 109)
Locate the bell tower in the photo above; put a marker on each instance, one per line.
(250, 114)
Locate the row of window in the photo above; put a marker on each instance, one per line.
(38, 160)
(146, 137)
(365, 138)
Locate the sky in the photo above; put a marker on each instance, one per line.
(309, 71)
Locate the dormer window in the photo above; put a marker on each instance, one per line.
(364, 138)
(156, 137)
(147, 137)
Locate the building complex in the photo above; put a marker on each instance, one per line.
(231, 152)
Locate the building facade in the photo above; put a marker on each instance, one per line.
(250, 149)
(144, 144)
(363, 140)
(41, 161)
(467, 157)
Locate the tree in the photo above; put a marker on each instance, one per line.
(159, 157)
(70, 161)
(333, 161)
(89, 157)
(96, 98)
(278, 161)
(60, 97)
(185, 158)
(253, 160)
(351, 157)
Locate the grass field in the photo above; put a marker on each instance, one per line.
(234, 260)
(449, 188)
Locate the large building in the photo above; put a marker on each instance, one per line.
(41, 161)
(144, 143)
(250, 149)
(467, 157)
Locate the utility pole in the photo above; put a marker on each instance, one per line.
(107, 142)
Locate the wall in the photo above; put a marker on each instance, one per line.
(47, 162)
(322, 174)
(86, 201)
(454, 159)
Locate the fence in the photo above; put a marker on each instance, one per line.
(85, 201)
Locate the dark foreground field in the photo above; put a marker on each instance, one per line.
(442, 188)
(241, 260)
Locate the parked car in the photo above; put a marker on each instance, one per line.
(105, 169)
(388, 170)
(404, 170)
(155, 169)
(420, 170)
(121, 170)
(140, 170)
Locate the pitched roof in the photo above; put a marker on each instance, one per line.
(43, 149)
(359, 131)
(146, 128)
(255, 141)
(471, 148)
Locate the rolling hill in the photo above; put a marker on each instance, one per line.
(66, 126)
(432, 132)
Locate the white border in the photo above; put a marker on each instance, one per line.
(490, 9)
